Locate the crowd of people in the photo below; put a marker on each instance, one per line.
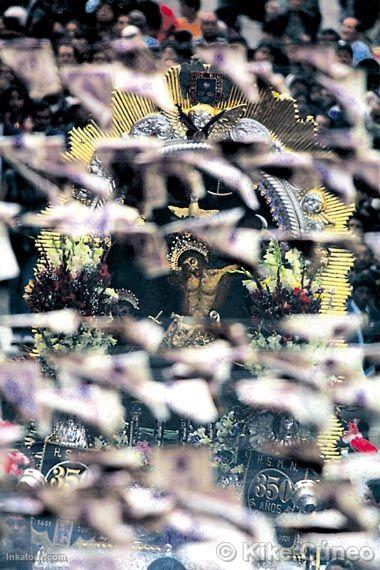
(79, 31)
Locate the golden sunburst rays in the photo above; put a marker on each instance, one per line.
(279, 114)
(328, 440)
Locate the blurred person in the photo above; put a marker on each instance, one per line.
(328, 37)
(99, 55)
(190, 18)
(138, 19)
(104, 13)
(43, 14)
(211, 30)
(372, 493)
(69, 115)
(229, 12)
(351, 34)
(41, 18)
(366, 11)
(169, 56)
(15, 107)
(177, 50)
(272, 52)
(364, 258)
(263, 53)
(7, 78)
(58, 31)
(17, 190)
(121, 22)
(303, 105)
(72, 29)
(42, 119)
(16, 539)
(345, 54)
(295, 24)
(161, 20)
(82, 47)
(355, 226)
(104, 22)
(298, 85)
(66, 53)
(320, 98)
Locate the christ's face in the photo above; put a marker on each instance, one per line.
(192, 264)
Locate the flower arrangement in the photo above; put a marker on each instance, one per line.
(285, 284)
(225, 448)
(73, 273)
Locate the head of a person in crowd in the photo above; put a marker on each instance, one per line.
(268, 50)
(299, 86)
(320, 96)
(362, 292)
(157, 15)
(274, 8)
(328, 36)
(138, 19)
(303, 105)
(363, 255)
(104, 14)
(350, 30)
(264, 53)
(121, 22)
(177, 49)
(41, 116)
(66, 53)
(169, 55)
(355, 226)
(372, 495)
(15, 101)
(189, 9)
(99, 55)
(210, 26)
(81, 46)
(72, 28)
(58, 30)
(296, 4)
(344, 54)
(6, 77)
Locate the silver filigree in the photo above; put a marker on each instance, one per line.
(248, 130)
(312, 203)
(314, 226)
(200, 118)
(156, 125)
(71, 433)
